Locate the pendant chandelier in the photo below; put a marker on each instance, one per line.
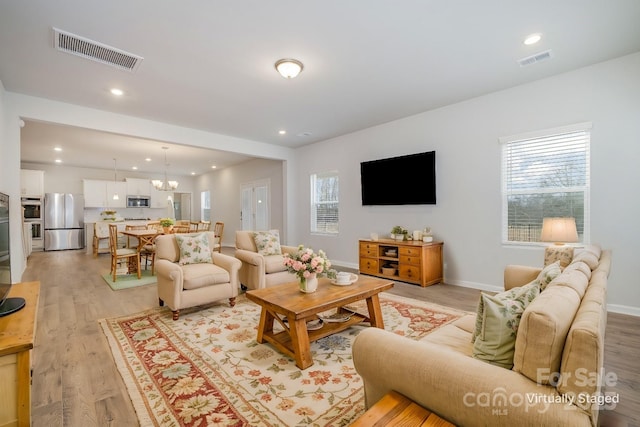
(115, 178)
(165, 185)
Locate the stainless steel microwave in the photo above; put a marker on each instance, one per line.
(138, 201)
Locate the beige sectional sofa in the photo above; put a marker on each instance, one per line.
(557, 360)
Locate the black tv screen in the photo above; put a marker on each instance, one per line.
(403, 180)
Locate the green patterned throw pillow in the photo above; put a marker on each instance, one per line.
(194, 249)
(268, 242)
(497, 323)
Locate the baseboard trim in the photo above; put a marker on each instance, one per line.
(623, 309)
(475, 285)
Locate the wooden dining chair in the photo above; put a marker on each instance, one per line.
(100, 233)
(204, 226)
(121, 254)
(218, 229)
(148, 251)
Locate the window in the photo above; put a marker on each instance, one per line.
(324, 203)
(545, 174)
(205, 206)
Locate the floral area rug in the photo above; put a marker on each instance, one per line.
(206, 369)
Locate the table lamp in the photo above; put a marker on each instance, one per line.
(559, 231)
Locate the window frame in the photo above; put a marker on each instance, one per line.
(536, 137)
(313, 220)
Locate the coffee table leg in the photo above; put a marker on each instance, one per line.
(266, 324)
(375, 312)
(300, 343)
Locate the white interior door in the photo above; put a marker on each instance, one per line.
(255, 206)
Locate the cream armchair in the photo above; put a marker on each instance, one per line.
(261, 271)
(182, 286)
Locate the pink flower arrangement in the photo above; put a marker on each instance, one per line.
(305, 263)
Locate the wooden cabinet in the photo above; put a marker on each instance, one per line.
(31, 183)
(17, 334)
(410, 261)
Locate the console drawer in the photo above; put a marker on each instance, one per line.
(410, 273)
(369, 249)
(369, 266)
(410, 259)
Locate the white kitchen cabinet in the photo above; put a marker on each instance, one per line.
(99, 194)
(119, 188)
(138, 187)
(31, 183)
(159, 199)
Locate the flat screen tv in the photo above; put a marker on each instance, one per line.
(403, 180)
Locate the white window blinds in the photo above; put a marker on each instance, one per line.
(324, 202)
(545, 175)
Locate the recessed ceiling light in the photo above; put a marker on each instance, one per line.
(148, 159)
(135, 168)
(57, 149)
(117, 92)
(282, 132)
(193, 173)
(213, 166)
(58, 161)
(532, 39)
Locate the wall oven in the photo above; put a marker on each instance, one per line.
(32, 208)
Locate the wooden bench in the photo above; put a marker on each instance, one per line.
(394, 409)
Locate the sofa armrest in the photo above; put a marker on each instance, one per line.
(249, 257)
(459, 388)
(229, 263)
(519, 275)
(291, 250)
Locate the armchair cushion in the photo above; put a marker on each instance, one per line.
(196, 276)
(268, 242)
(194, 249)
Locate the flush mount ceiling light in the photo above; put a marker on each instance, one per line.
(165, 185)
(532, 39)
(117, 92)
(289, 68)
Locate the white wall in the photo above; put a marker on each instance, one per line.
(225, 185)
(465, 136)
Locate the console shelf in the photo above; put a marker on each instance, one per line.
(412, 261)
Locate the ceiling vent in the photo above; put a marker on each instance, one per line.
(529, 60)
(94, 51)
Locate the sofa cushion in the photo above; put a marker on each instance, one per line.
(452, 337)
(194, 249)
(588, 258)
(200, 275)
(580, 266)
(561, 253)
(499, 316)
(542, 332)
(268, 242)
(572, 278)
(274, 264)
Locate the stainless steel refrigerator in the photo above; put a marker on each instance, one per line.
(63, 221)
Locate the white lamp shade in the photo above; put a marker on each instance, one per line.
(559, 230)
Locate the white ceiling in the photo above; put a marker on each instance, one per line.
(209, 65)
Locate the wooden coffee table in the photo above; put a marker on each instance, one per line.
(286, 301)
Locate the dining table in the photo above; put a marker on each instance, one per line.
(145, 237)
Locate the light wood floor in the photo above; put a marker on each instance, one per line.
(76, 383)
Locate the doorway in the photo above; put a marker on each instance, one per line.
(182, 206)
(255, 205)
